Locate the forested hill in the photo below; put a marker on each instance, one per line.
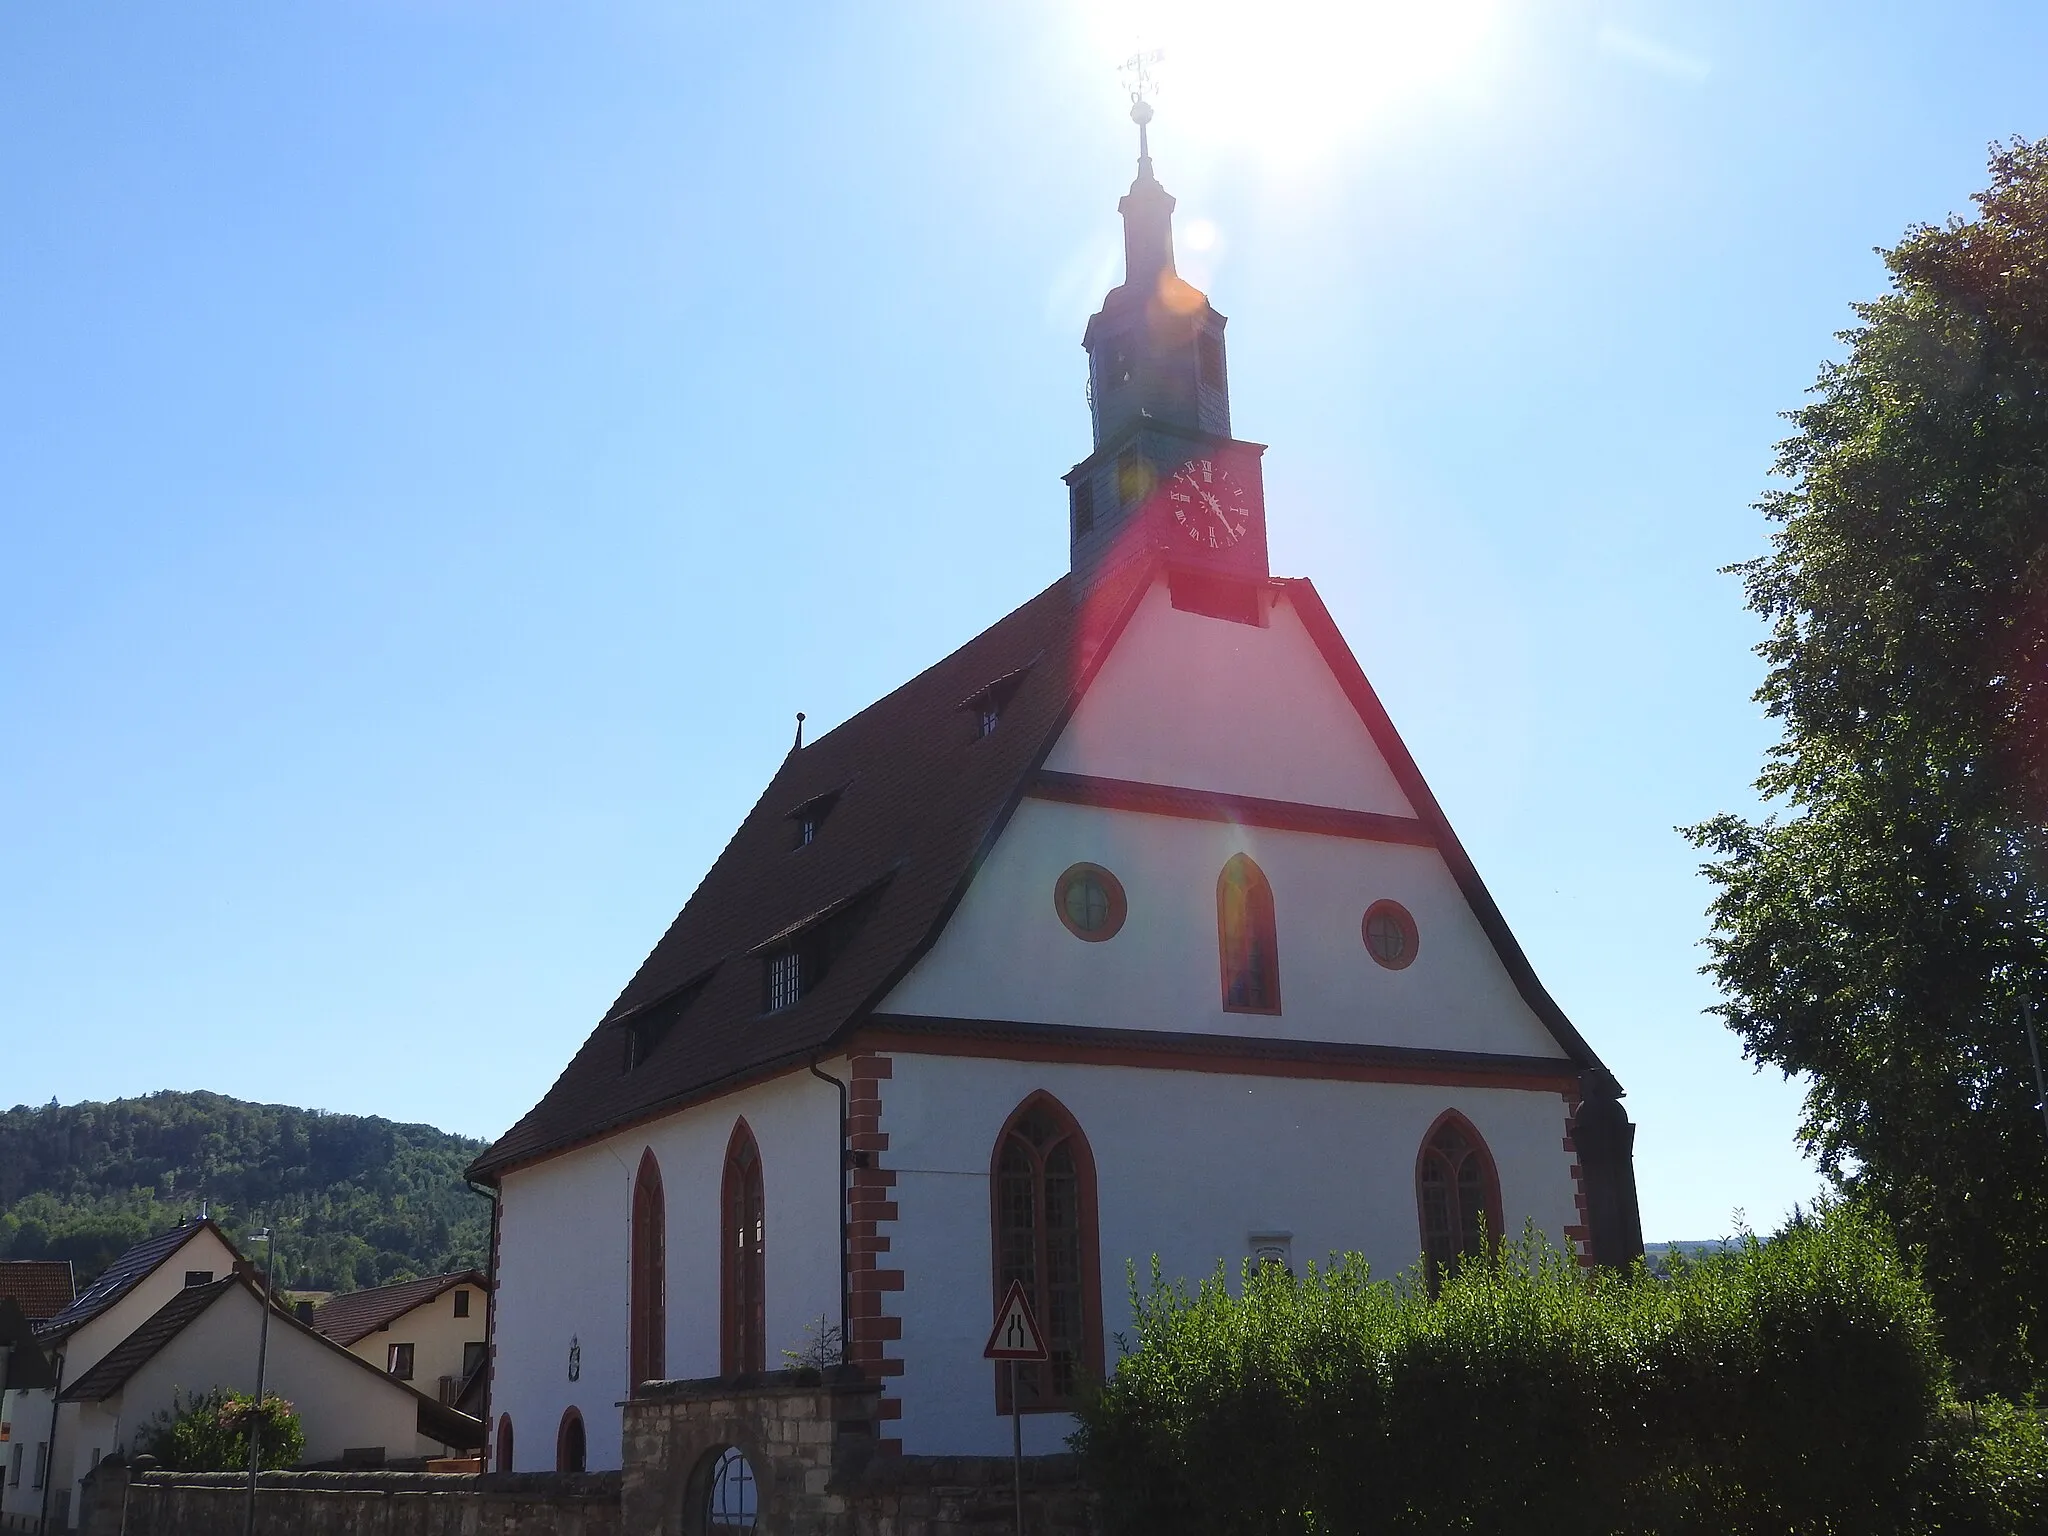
(357, 1200)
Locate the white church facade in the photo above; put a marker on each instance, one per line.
(1130, 929)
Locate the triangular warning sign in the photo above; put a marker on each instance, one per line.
(1016, 1335)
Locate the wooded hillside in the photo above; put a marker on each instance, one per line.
(357, 1200)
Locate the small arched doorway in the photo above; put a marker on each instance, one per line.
(569, 1443)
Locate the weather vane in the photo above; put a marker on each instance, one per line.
(1140, 81)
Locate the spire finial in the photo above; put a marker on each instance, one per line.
(799, 732)
(1142, 84)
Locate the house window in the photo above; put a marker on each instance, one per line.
(472, 1358)
(503, 1462)
(785, 977)
(199, 1277)
(42, 1463)
(808, 819)
(14, 1457)
(1247, 938)
(569, 1446)
(1090, 901)
(732, 1502)
(1390, 935)
(1084, 505)
(991, 712)
(1457, 1192)
(398, 1361)
(648, 1330)
(1133, 478)
(743, 1329)
(1042, 1193)
(462, 1303)
(806, 831)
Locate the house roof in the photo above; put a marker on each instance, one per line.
(123, 1275)
(920, 796)
(348, 1317)
(920, 799)
(43, 1287)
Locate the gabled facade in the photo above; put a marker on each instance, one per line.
(428, 1332)
(1131, 929)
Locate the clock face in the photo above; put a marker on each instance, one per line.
(1212, 509)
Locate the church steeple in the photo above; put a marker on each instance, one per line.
(1159, 399)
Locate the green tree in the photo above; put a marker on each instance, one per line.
(209, 1432)
(1879, 933)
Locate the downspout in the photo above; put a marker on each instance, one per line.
(50, 1451)
(490, 1320)
(845, 1231)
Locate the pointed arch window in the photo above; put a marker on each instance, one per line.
(648, 1333)
(1458, 1192)
(743, 1320)
(1247, 938)
(1042, 1198)
(504, 1462)
(570, 1449)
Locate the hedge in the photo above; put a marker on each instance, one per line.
(1788, 1385)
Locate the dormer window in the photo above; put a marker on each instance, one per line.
(808, 819)
(646, 1029)
(785, 977)
(986, 705)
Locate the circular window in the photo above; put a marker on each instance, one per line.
(732, 1504)
(1390, 934)
(1090, 901)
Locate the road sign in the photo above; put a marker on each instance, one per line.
(1016, 1335)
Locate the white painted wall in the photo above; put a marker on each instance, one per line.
(1188, 1165)
(565, 1256)
(342, 1403)
(202, 1250)
(27, 1414)
(436, 1334)
(1006, 955)
(1206, 704)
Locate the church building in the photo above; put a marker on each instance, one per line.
(1129, 929)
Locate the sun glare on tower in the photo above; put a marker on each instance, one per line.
(1292, 79)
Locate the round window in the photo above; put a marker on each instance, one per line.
(1090, 901)
(1390, 934)
(733, 1503)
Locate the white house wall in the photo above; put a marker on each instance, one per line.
(201, 1251)
(565, 1256)
(1006, 955)
(1188, 1166)
(1203, 703)
(342, 1404)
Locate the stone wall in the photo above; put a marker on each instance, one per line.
(820, 1467)
(350, 1504)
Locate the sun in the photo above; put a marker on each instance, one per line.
(1293, 80)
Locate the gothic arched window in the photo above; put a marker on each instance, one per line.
(504, 1463)
(1458, 1193)
(1042, 1206)
(743, 1330)
(569, 1445)
(648, 1347)
(1247, 938)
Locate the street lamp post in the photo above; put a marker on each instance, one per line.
(268, 1234)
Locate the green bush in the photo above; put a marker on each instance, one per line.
(1789, 1385)
(209, 1432)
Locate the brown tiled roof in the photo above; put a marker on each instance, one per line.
(44, 1287)
(919, 796)
(348, 1317)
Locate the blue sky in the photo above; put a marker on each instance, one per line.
(442, 444)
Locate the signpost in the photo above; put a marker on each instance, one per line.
(1015, 1337)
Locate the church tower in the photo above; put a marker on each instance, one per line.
(1165, 473)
